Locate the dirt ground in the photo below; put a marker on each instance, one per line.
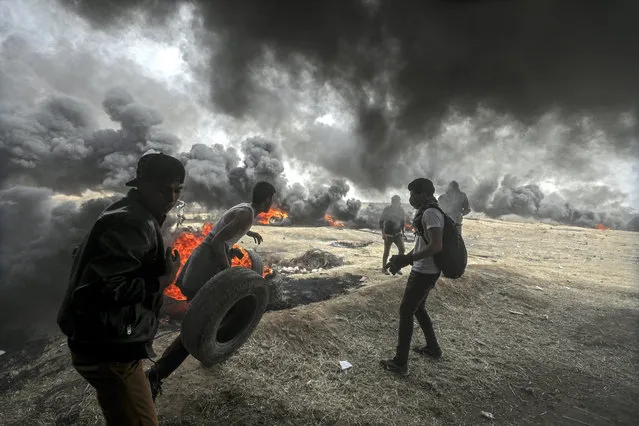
(542, 329)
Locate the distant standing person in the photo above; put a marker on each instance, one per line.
(110, 311)
(455, 204)
(392, 223)
(212, 256)
(180, 213)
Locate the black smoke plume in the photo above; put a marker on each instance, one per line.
(400, 66)
(38, 237)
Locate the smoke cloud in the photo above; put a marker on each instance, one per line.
(38, 237)
(399, 68)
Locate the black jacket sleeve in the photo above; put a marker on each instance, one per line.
(465, 206)
(120, 267)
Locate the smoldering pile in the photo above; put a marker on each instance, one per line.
(312, 261)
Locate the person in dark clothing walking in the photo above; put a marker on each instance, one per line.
(392, 223)
(212, 256)
(429, 223)
(455, 204)
(110, 310)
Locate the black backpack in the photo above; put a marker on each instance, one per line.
(453, 258)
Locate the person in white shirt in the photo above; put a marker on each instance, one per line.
(429, 223)
(212, 256)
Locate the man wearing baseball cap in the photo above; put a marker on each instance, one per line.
(110, 311)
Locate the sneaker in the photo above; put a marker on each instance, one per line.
(391, 365)
(154, 383)
(434, 352)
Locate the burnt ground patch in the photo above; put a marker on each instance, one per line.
(310, 290)
(351, 244)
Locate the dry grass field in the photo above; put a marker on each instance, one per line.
(542, 329)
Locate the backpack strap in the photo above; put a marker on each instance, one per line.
(418, 225)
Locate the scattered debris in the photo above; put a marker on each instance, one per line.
(364, 278)
(315, 259)
(517, 313)
(538, 288)
(488, 415)
(351, 244)
(345, 365)
(545, 317)
(296, 270)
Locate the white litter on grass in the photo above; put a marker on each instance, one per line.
(488, 415)
(345, 365)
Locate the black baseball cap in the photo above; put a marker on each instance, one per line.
(159, 168)
(422, 185)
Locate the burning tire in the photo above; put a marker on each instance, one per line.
(223, 314)
(256, 261)
(275, 294)
(275, 287)
(276, 220)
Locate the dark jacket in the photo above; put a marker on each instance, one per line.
(110, 311)
(455, 204)
(392, 220)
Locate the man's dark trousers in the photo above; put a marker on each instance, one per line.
(414, 304)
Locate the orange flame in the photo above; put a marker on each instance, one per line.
(272, 216)
(186, 242)
(408, 226)
(332, 221)
(602, 227)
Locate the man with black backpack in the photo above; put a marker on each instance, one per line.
(438, 248)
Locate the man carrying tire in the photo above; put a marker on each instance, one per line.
(429, 223)
(110, 311)
(393, 227)
(212, 256)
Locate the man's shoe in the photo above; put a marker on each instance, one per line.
(391, 365)
(154, 383)
(434, 352)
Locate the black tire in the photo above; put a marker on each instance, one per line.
(256, 261)
(223, 314)
(276, 221)
(275, 287)
(275, 294)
